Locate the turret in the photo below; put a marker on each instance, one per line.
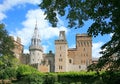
(36, 50)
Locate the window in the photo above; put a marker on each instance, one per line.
(70, 61)
(60, 67)
(79, 67)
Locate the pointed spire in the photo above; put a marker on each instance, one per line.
(36, 37)
(36, 24)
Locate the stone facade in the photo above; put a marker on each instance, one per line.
(18, 49)
(73, 59)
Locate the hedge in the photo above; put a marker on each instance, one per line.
(71, 78)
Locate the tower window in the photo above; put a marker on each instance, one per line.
(70, 61)
(60, 67)
(79, 67)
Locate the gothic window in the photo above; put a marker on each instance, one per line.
(60, 55)
(60, 47)
(33, 59)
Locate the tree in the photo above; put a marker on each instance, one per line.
(105, 15)
(8, 62)
(6, 43)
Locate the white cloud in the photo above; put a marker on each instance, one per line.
(9, 4)
(46, 32)
(2, 16)
(96, 49)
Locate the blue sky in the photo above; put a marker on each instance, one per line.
(20, 17)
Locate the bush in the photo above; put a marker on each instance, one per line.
(23, 70)
(8, 73)
(34, 79)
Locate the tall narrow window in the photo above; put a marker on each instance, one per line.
(70, 61)
(79, 67)
(60, 67)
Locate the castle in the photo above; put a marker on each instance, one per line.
(63, 60)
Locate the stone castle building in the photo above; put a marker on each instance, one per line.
(73, 59)
(65, 59)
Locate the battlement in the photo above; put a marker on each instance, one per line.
(17, 39)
